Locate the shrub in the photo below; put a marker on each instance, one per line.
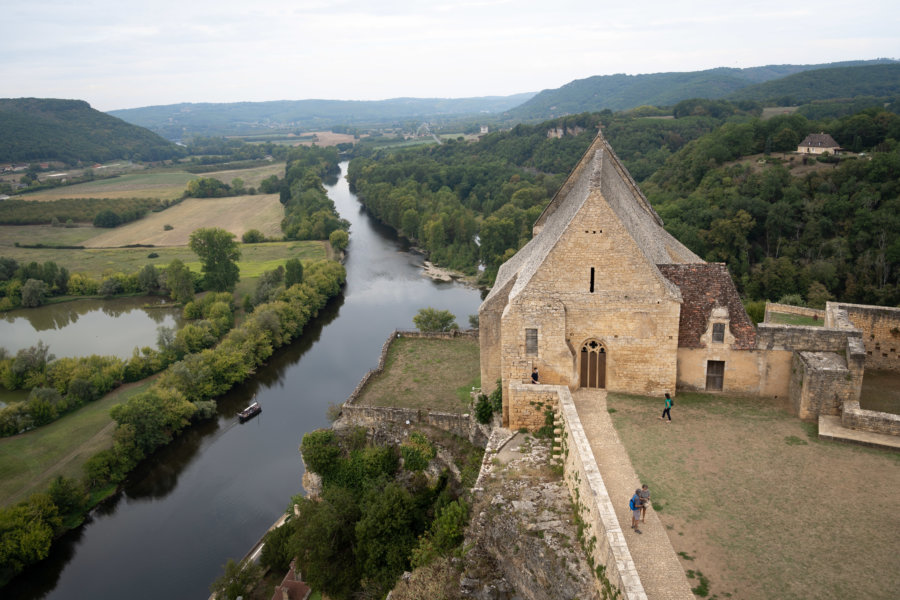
(483, 410)
(253, 236)
(417, 452)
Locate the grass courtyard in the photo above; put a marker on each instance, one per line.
(759, 507)
(426, 373)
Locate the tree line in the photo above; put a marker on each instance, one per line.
(829, 233)
(186, 391)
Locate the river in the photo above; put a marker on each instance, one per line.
(212, 493)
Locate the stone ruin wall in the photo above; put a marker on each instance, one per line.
(880, 326)
(373, 417)
(787, 309)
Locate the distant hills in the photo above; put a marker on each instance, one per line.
(622, 92)
(71, 131)
(178, 121)
(823, 84)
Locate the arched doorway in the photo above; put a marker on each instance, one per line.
(593, 365)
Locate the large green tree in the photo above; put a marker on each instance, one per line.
(219, 252)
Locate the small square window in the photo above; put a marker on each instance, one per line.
(531, 346)
(718, 332)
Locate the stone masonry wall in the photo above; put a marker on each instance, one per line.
(880, 328)
(820, 384)
(370, 416)
(787, 309)
(603, 535)
(528, 403)
(854, 417)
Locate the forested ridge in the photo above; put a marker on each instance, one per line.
(623, 92)
(828, 233)
(72, 132)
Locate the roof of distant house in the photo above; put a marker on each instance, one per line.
(819, 140)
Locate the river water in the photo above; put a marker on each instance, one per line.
(213, 492)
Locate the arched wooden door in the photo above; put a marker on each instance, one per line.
(593, 365)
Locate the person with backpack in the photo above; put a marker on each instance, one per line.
(667, 411)
(635, 505)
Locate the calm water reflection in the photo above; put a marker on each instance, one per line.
(90, 326)
(211, 494)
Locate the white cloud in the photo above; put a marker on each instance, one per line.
(125, 53)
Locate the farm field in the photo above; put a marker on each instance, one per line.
(236, 214)
(10, 235)
(754, 502)
(255, 258)
(29, 461)
(166, 184)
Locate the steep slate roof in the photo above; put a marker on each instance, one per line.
(703, 287)
(598, 171)
(819, 140)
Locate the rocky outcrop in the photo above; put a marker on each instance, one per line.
(523, 538)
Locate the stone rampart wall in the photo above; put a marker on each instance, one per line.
(798, 337)
(603, 536)
(880, 326)
(821, 384)
(853, 417)
(787, 309)
(370, 416)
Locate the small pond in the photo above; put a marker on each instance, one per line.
(83, 327)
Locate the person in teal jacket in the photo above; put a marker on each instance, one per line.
(667, 411)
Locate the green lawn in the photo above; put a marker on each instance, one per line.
(426, 373)
(758, 505)
(786, 319)
(29, 461)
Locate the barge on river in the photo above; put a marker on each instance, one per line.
(250, 412)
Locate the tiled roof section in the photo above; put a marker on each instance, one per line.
(703, 287)
(819, 140)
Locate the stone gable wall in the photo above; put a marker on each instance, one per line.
(633, 310)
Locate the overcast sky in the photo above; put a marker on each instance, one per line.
(126, 54)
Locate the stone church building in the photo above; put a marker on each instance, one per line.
(603, 297)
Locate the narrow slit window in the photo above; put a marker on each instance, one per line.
(718, 332)
(592, 280)
(531, 346)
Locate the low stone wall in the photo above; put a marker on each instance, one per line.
(821, 383)
(799, 337)
(603, 536)
(462, 425)
(527, 405)
(371, 416)
(787, 309)
(853, 417)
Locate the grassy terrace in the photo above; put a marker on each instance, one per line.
(786, 319)
(28, 462)
(426, 373)
(759, 506)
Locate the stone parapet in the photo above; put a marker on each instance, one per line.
(603, 536)
(798, 337)
(787, 309)
(853, 417)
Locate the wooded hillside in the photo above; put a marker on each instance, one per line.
(70, 131)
